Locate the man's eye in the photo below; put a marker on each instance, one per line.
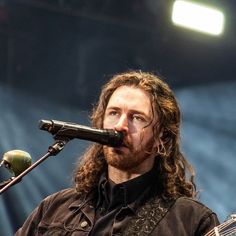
(113, 113)
(138, 118)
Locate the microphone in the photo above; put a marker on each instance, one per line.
(107, 137)
(16, 161)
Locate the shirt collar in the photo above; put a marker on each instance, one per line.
(113, 195)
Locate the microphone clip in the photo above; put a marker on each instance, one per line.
(59, 145)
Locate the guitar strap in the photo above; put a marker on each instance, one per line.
(147, 217)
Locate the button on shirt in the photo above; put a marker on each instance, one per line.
(117, 203)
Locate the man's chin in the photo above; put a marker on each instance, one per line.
(115, 157)
(119, 164)
(120, 161)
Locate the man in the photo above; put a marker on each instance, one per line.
(140, 188)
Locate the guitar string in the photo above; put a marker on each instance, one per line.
(212, 232)
(229, 231)
(222, 226)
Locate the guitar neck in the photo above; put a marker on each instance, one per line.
(228, 228)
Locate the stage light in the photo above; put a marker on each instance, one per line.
(198, 17)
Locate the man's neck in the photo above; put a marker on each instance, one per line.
(120, 176)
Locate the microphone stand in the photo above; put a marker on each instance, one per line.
(52, 151)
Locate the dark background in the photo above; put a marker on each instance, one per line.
(55, 56)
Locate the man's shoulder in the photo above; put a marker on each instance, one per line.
(190, 201)
(65, 195)
(187, 204)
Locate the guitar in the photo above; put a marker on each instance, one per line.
(228, 228)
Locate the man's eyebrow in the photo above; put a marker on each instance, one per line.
(113, 108)
(138, 112)
(131, 111)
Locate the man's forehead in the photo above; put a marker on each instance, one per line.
(132, 98)
(130, 94)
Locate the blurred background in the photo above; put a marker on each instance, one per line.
(56, 54)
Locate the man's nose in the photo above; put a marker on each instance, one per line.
(122, 124)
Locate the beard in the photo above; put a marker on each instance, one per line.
(129, 158)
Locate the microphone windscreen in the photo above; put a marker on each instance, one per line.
(17, 161)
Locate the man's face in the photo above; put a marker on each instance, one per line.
(129, 110)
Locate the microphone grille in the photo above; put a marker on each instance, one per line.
(17, 161)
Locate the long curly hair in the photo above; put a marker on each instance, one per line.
(175, 174)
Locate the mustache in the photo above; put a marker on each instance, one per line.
(126, 143)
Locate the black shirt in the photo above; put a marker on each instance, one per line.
(116, 202)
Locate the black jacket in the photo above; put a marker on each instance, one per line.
(64, 213)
